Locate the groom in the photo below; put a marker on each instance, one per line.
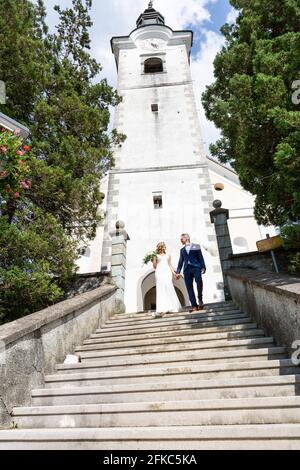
(194, 266)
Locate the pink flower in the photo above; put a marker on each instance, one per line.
(20, 152)
(17, 195)
(3, 149)
(25, 184)
(3, 174)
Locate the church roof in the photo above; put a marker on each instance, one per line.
(12, 125)
(226, 171)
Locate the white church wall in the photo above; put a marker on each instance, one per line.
(243, 228)
(163, 153)
(157, 141)
(182, 212)
(153, 137)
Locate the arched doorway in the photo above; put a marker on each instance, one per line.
(148, 292)
(150, 299)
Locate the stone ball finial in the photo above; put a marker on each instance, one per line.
(217, 204)
(120, 225)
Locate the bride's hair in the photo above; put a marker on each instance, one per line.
(161, 248)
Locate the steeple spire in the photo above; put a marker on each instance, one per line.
(150, 16)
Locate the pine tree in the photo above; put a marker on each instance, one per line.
(251, 102)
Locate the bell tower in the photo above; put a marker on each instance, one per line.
(160, 186)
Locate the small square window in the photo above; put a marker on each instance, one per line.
(157, 201)
(154, 108)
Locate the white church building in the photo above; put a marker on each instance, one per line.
(163, 184)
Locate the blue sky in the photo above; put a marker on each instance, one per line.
(219, 12)
(118, 17)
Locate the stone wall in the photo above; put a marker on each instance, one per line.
(30, 347)
(261, 261)
(272, 300)
(86, 282)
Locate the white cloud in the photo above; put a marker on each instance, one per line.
(181, 12)
(117, 18)
(232, 15)
(203, 75)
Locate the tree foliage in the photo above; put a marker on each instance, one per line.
(291, 237)
(251, 103)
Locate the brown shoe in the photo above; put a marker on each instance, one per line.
(194, 309)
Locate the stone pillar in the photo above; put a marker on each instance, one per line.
(119, 239)
(219, 217)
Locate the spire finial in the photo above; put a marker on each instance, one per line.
(150, 4)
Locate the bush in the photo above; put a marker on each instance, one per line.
(291, 237)
(36, 257)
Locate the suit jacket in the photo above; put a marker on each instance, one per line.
(194, 258)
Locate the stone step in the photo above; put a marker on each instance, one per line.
(177, 329)
(168, 374)
(182, 313)
(250, 387)
(208, 307)
(270, 410)
(99, 344)
(160, 322)
(167, 333)
(177, 438)
(167, 317)
(88, 352)
(182, 358)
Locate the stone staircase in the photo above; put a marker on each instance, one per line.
(210, 380)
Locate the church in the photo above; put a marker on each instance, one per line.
(163, 183)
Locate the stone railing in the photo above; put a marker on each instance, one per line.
(272, 300)
(30, 347)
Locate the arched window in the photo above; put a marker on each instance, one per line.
(153, 65)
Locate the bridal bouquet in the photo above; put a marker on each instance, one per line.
(149, 257)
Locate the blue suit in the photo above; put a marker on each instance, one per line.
(192, 263)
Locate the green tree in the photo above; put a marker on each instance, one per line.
(36, 258)
(53, 86)
(251, 103)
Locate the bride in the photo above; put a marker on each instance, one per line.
(166, 297)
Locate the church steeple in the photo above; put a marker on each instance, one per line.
(150, 16)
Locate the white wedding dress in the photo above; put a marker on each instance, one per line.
(166, 297)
